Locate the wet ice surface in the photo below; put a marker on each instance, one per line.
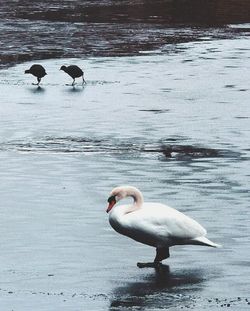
(62, 150)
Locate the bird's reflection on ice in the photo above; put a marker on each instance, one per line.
(75, 89)
(159, 289)
(37, 89)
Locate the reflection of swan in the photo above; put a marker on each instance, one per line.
(159, 289)
(153, 224)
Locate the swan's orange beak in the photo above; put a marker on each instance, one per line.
(111, 204)
(111, 201)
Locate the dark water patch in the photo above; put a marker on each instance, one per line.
(242, 49)
(229, 86)
(207, 58)
(187, 60)
(243, 90)
(43, 30)
(232, 57)
(185, 152)
(190, 99)
(231, 66)
(155, 111)
(165, 89)
(88, 145)
(171, 11)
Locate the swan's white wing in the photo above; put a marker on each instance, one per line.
(159, 222)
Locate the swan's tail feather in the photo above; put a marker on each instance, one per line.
(206, 242)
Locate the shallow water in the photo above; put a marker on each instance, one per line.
(72, 28)
(63, 149)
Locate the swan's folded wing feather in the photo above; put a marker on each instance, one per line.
(164, 222)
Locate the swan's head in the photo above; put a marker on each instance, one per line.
(116, 195)
(120, 193)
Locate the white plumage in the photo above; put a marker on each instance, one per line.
(154, 224)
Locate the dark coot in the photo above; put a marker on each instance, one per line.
(74, 71)
(38, 71)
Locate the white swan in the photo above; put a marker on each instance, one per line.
(153, 224)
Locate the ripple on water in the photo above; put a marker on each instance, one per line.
(69, 144)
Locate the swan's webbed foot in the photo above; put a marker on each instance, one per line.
(149, 264)
(161, 254)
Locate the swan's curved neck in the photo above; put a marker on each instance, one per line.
(136, 195)
(117, 212)
(116, 215)
(138, 199)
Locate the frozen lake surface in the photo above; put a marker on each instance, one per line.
(177, 127)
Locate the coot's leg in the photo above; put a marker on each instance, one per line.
(38, 81)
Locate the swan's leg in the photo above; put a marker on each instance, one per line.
(161, 253)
